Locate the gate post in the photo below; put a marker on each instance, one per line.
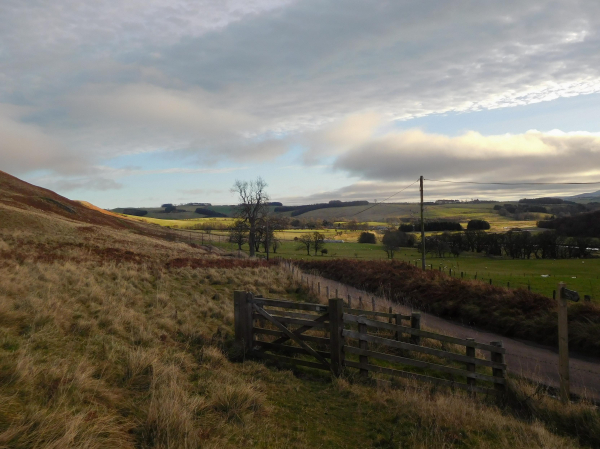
(336, 342)
(242, 312)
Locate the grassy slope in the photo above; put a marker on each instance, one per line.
(112, 339)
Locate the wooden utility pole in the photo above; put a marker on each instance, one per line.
(267, 238)
(422, 227)
(563, 344)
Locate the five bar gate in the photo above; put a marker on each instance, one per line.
(333, 337)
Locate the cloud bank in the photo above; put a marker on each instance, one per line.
(238, 82)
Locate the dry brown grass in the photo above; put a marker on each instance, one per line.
(103, 346)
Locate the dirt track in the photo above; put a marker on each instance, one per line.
(525, 359)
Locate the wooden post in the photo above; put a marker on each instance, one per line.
(470, 352)
(373, 303)
(363, 344)
(390, 312)
(242, 311)
(508, 284)
(415, 323)
(327, 291)
(360, 304)
(336, 323)
(490, 281)
(498, 357)
(563, 345)
(319, 289)
(336, 293)
(312, 286)
(349, 301)
(398, 323)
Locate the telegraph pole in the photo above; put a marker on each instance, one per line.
(267, 237)
(422, 227)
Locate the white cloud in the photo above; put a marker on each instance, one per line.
(245, 81)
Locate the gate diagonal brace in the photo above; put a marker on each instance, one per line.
(302, 329)
(291, 335)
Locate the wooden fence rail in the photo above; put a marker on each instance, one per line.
(335, 337)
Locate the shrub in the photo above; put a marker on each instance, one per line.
(478, 225)
(367, 237)
(407, 227)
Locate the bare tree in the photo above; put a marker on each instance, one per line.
(252, 207)
(318, 241)
(305, 242)
(238, 233)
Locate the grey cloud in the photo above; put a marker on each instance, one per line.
(242, 80)
(89, 183)
(532, 157)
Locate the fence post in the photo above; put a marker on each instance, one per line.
(336, 322)
(373, 302)
(398, 323)
(471, 366)
(363, 344)
(336, 293)
(498, 357)
(327, 291)
(563, 345)
(415, 323)
(319, 289)
(390, 312)
(349, 301)
(360, 304)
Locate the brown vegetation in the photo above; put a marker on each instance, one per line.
(514, 313)
(110, 337)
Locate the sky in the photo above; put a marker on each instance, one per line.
(139, 103)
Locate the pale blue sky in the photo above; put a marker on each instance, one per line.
(137, 103)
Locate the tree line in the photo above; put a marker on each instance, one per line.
(514, 244)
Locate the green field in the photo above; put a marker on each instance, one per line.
(541, 275)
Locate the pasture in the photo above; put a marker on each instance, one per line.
(540, 275)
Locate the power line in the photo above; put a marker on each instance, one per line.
(377, 204)
(513, 183)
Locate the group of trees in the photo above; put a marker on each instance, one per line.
(209, 212)
(299, 210)
(135, 212)
(514, 244)
(314, 241)
(393, 240)
(582, 225)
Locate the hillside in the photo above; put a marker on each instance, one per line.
(113, 336)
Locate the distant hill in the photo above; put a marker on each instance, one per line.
(585, 196)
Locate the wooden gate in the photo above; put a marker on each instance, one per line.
(333, 337)
(268, 328)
